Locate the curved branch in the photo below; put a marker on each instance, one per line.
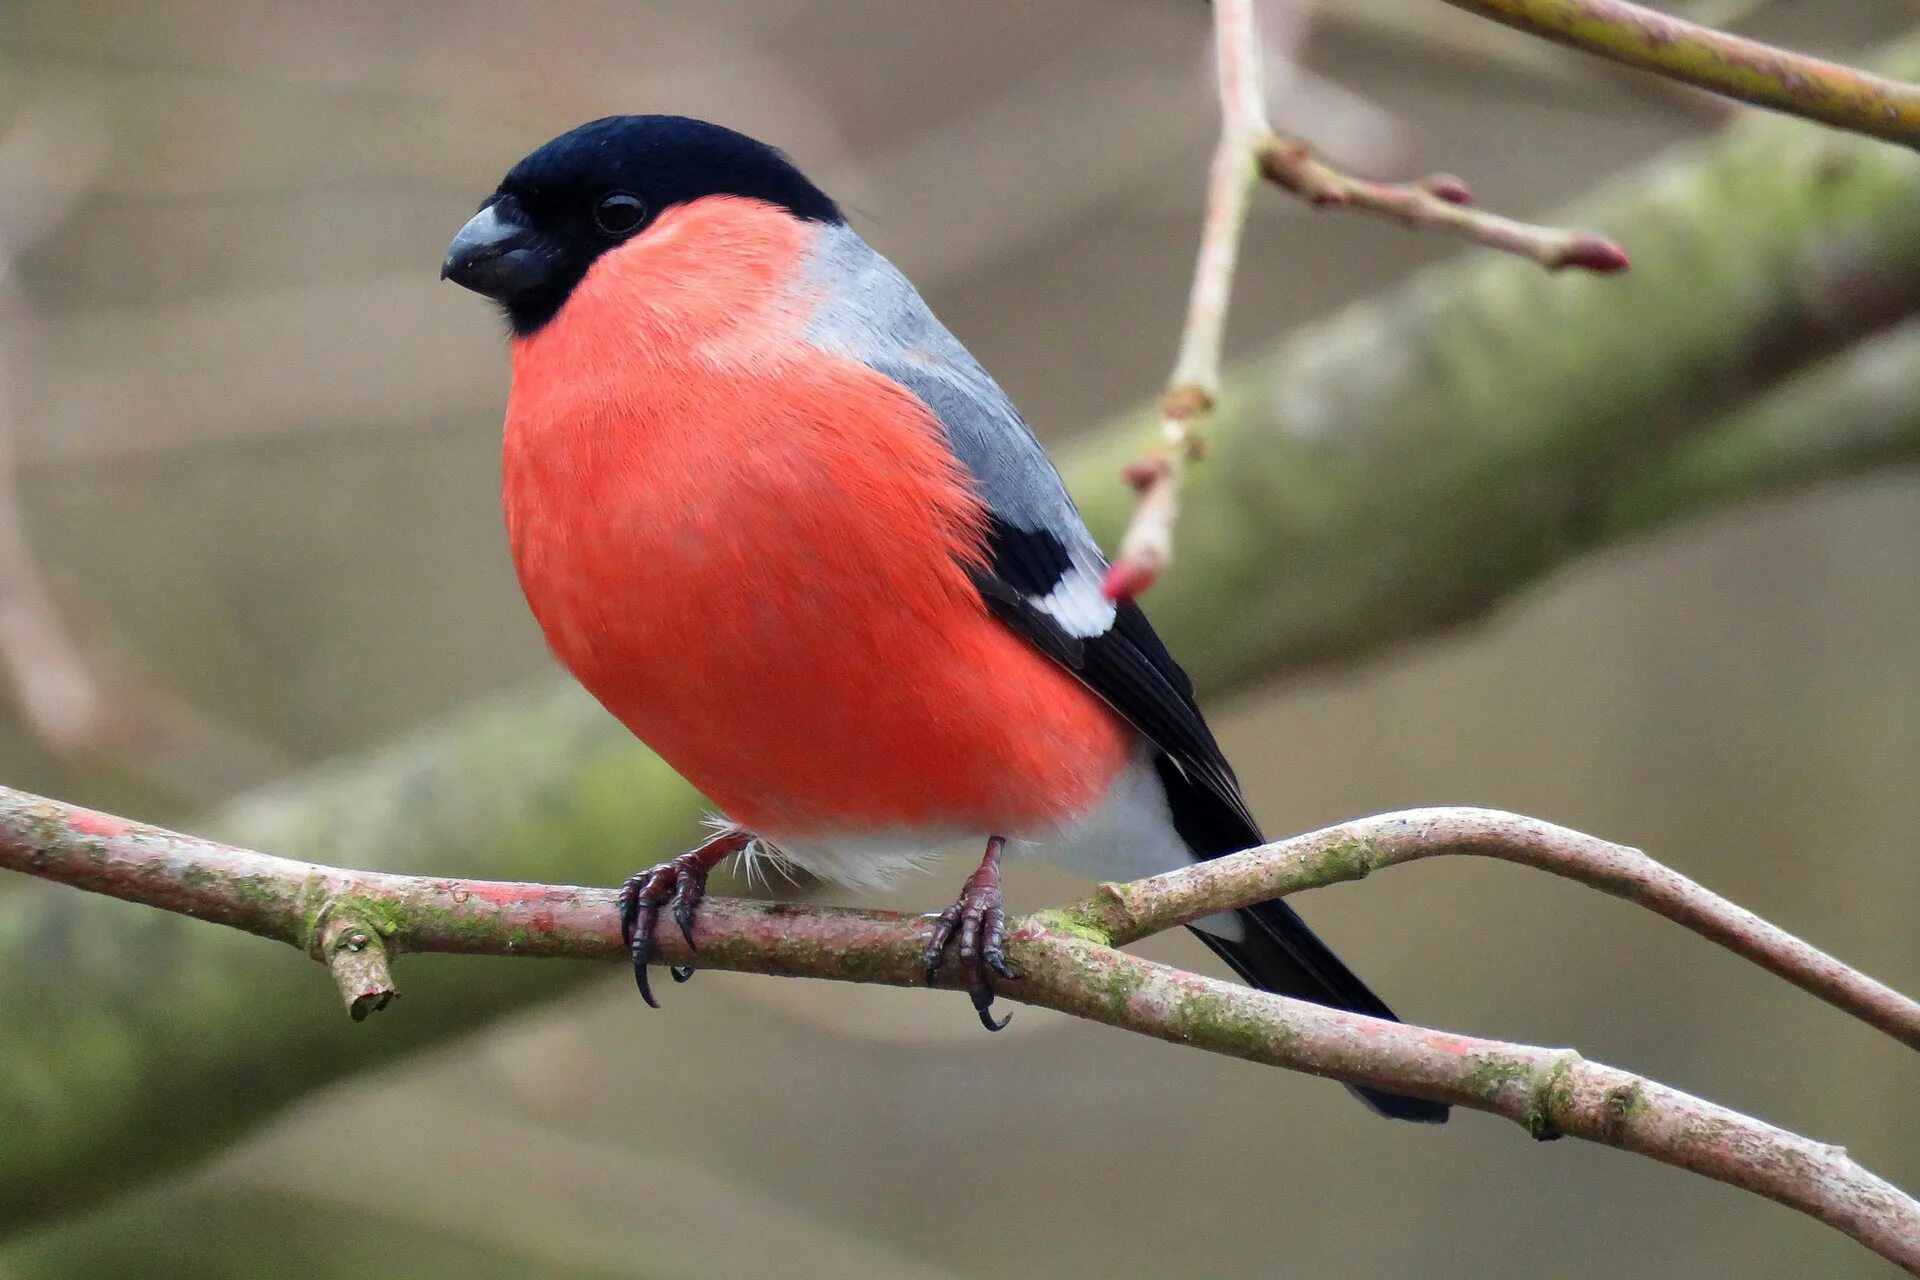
(1068, 961)
(1127, 912)
(1729, 65)
(1332, 537)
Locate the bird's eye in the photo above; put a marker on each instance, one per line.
(619, 213)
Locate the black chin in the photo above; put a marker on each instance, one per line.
(530, 310)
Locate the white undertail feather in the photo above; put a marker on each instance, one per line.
(758, 860)
(1131, 834)
(861, 859)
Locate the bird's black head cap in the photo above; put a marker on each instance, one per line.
(599, 185)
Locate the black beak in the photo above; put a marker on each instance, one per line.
(495, 255)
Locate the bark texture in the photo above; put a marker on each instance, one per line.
(1067, 959)
(1397, 469)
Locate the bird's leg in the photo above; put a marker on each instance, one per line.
(680, 884)
(978, 926)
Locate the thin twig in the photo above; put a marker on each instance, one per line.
(1439, 202)
(1248, 150)
(1068, 961)
(1729, 65)
(1147, 546)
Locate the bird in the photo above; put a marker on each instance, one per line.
(779, 521)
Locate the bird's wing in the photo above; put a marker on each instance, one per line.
(1044, 572)
(1043, 579)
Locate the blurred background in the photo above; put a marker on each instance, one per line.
(250, 524)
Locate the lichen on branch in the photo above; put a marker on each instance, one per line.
(1839, 96)
(1329, 433)
(1067, 960)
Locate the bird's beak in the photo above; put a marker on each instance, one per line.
(495, 255)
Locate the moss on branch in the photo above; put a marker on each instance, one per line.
(360, 916)
(1392, 471)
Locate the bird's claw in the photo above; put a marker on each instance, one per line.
(678, 885)
(976, 926)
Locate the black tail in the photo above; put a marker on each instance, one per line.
(1278, 952)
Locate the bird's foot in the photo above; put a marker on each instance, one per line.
(976, 926)
(678, 884)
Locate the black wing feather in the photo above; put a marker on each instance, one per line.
(1038, 543)
(1130, 668)
(1127, 665)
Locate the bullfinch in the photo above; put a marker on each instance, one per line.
(781, 523)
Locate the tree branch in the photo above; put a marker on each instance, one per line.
(1398, 469)
(1407, 463)
(1729, 65)
(1249, 149)
(1351, 851)
(1853, 414)
(1438, 202)
(1068, 961)
(1147, 545)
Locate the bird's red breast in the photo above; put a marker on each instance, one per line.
(753, 553)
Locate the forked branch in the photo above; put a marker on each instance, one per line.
(1068, 958)
(1249, 149)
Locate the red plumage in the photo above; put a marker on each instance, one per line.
(754, 553)
(859, 627)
